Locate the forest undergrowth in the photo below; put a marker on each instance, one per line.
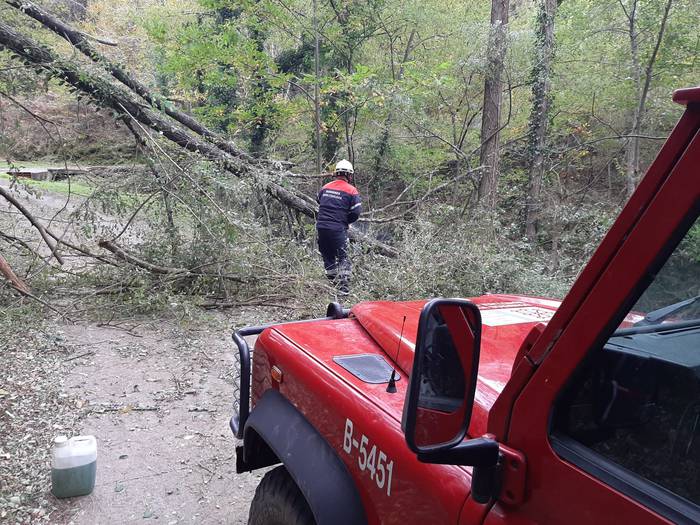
(491, 155)
(223, 251)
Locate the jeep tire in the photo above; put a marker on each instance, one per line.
(278, 501)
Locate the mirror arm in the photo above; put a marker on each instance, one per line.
(485, 483)
(479, 452)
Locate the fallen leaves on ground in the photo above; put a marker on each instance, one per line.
(33, 410)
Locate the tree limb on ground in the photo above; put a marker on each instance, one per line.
(131, 259)
(22, 288)
(58, 239)
(46, 233)
(122, 254)
(11, 239)
(17, 283)
(121, 102)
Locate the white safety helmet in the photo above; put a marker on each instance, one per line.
(344, 166)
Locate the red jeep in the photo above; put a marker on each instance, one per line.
(501, 408)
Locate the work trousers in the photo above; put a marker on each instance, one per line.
(333, 247)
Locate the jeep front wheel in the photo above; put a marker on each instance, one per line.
(278, 501)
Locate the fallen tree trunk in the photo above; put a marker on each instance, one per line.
(122, 103)
(82, 44)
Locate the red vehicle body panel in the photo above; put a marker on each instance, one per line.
(328, 396)
(507, 319)
(305, 353)
(545, 339)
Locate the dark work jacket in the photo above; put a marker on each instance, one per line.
(339, 205)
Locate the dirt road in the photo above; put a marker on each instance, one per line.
(156, 394)
(158, 399)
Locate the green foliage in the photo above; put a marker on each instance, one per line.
(218, 62)
(452, 255)
(401, 91)
(690, 248)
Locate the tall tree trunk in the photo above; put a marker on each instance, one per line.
(642, 81)
(345, 62)
(330, 140)
(632, 148)
(383, 147)
(491, 113)
(317, 86)
(261, 92)
(539, 117)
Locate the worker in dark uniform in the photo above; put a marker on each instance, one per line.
(339, 205)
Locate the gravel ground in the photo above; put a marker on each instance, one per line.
(158, 398)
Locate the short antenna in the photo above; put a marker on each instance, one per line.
(391, 387)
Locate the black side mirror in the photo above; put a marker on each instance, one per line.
(441, 390)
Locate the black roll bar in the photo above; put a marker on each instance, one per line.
(237, 423)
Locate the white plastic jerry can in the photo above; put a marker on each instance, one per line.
(73, 466)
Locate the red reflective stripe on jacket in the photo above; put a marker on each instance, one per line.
(339, 205)
(341, 185)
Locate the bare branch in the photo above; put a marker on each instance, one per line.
(41, 120)
(24, 211)
(158, 269)
(131, 259)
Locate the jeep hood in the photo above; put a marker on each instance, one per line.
(506, 321)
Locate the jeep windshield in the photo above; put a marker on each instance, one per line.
(672, 301)
(664, 325)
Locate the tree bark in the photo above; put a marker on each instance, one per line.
(260, 93)
(16, 282)
(317, 88)
(491, 113)
(632, 149)
(539, 116)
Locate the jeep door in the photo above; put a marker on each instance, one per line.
(610, 421)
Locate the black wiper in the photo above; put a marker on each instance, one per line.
(657, 316)
(656, 328)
